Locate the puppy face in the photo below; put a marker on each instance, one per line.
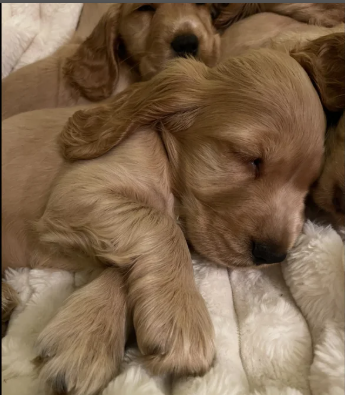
(145, 37)
(245, 166)
(155, 33)
(244, 141)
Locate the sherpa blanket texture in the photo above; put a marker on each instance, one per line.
(33, 31)
(279, 329)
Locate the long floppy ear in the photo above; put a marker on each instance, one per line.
(324, 61)
(93, 69)
(171, 98)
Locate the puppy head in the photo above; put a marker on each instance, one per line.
(145, 36)
(324, 61)
(244, 141)
(156, 33)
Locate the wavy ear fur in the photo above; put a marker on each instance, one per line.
(93, 69)
(324, 61)
(170, 99)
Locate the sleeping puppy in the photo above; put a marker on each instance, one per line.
(133, 42)
(130, 42)
(232, 151)
(305, 42)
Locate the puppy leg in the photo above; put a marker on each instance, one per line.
(172, 324)
(9, 301)
(173, 327)
(81, 349)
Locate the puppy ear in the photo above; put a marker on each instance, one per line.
(324, 61)
(93, 69)
(170, 99)
(225, 14)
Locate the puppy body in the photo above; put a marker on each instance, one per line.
(127, 201)
(268, 30)
(43, 84)
(119, 209)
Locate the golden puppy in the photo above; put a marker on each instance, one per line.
(130, 42)
(231, 150)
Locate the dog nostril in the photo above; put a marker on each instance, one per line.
(339, 199)
(264, 253)
(186, 44)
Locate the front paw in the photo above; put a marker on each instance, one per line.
(81, 350)
(176, 335)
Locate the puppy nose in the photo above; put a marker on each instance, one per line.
(186, 44)
(264, 253)
(339, 199)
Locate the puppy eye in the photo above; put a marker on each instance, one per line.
(146, 8)
(256, 164)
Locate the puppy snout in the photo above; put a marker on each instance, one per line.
(186, 44)
(339, 199)
(265, 253)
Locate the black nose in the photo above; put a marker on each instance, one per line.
(264, 253)
(186, 44)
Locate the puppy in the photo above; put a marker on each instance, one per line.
(305, 42)
(231, 151)
(130, 42)
(133, 42)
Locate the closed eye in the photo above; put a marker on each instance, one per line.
(257, 166)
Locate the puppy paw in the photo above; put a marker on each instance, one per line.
(81, 349)
(176, 336)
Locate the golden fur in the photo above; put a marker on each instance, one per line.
(239, 147)
(126, 45)
(129, 44)
(324, 14)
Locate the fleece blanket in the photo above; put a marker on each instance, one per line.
(279, 329)
(32, 31)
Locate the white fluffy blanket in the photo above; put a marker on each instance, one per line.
(32, 31)
(279, 330)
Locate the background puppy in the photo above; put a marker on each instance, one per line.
(243, 142)
(130, 42)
